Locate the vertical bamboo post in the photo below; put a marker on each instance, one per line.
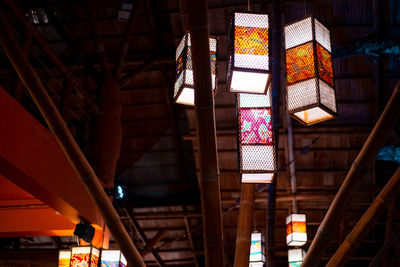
(206, 134)
(243, 233)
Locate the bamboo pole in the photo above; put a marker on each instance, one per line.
(243, 233)
(53, 57)
(60, 130)
(206, 134)
(377, 261)
(367, 221)
(360, 166)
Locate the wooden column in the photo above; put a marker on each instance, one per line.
(367, 221)
(206, 135)
(107, 133)
(243, 233)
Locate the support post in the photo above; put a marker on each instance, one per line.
(375, 141)
(243, 233)
(382, 253)
(206, 135)
(71, 149)
(367, 221)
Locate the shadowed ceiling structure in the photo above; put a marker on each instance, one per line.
(109, 61)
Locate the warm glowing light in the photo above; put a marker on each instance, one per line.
(112, 258)
(184, 85)
(64, 258)
(296, 232)
(311, 96)
(256, 140)
(296, 257)
(249, 70)
(257, 257)
(84, 256)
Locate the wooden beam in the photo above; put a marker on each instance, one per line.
(382, 253)
(190, 238)
(153, 242)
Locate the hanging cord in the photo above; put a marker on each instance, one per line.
(248, 5)
(305, 8)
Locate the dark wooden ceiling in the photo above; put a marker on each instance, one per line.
(158, 160)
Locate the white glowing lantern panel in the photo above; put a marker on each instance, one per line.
(184, 85)
(296, 257)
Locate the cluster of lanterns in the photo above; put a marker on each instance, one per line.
(90, 256)
(310, 99)
(310, 89)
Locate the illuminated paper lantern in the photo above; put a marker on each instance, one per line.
(310, 87)
(184, 85)
(256, 138)
(85, 256)
(257, 257)
(64, 258)
(112, 258)
(296, 232)
(296, 257)
(249, 64)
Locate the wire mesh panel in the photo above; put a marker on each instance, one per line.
(310, 93)
(256, 140)
(249, 66)
(184, 85)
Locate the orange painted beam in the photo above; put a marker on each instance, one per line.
(31, 158)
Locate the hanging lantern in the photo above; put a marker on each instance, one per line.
(310, 88)
(296, 233)
(249, 64)
(296, 257)
(257, 257)
(112, 258)
(184, 85)
(256, 139)
(85, 256)
(64, 258)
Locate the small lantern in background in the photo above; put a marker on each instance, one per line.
(257, 256)
(256, 140)
(112, 258)
(64, 258)
(184, 85)
(296, 257)
(249, 64)
(310, 88)
(296, 232)
(85, 256)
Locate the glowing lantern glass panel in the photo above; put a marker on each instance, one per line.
(184, 85)
(310, 88)
(256, 140)
(64, 258)
(112, 258)
(249, 64)
(296, 257)
(296, 232)
(85, 256)
(257, 257)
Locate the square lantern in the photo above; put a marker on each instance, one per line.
(296, 257)
(112, 258)
(249, 64)
(257, 154)
(296, 232)
(310, 87)
(64, 258)
(184, 85)
(85, 256)
(257, 247)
